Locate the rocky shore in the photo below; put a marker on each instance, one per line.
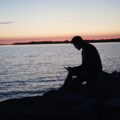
(61, 105)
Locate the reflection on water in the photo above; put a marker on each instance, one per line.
(33, 69)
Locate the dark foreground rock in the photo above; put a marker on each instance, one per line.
(54, 105)
(61, 105)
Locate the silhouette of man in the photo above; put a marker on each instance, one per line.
(88, 71)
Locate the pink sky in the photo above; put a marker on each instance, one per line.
(46, 20)
(59, 38)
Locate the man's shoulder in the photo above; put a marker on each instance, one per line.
(90, 46)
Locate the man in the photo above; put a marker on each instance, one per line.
(88, 71)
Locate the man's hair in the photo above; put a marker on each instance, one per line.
(76, 39)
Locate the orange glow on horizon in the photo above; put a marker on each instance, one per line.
(54, 38)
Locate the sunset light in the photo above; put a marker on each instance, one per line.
(36, 20)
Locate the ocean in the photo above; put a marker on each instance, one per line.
(30, 70)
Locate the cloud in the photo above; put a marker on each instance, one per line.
(7, 22)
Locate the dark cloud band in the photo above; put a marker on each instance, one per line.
(7, 22)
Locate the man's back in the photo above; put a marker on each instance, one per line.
(90, 59)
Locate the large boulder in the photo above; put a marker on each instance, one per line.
(109, 85)
(62, 105)
(55, 105)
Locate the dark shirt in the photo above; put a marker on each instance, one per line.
(91, 61)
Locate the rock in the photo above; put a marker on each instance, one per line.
(109, 85)
(55, 105)
(62, 105)
(111, 109)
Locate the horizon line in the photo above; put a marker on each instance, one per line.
(12, 40)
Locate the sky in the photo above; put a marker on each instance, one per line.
(35, 20)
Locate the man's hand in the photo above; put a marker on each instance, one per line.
(73, 70)
(68, 68)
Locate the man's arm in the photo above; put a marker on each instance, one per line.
(74, 70)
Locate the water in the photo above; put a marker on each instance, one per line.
(29, 70)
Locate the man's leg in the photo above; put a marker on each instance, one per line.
(67, 82)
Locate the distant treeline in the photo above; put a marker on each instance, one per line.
(43, 42)
(105, 40)
(67, 41)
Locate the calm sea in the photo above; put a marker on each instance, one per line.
(30, 70)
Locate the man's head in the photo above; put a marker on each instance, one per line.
(78, 42)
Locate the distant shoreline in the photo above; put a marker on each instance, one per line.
(67, 41)
(64, 42)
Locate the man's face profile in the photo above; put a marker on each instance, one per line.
(77, 46)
